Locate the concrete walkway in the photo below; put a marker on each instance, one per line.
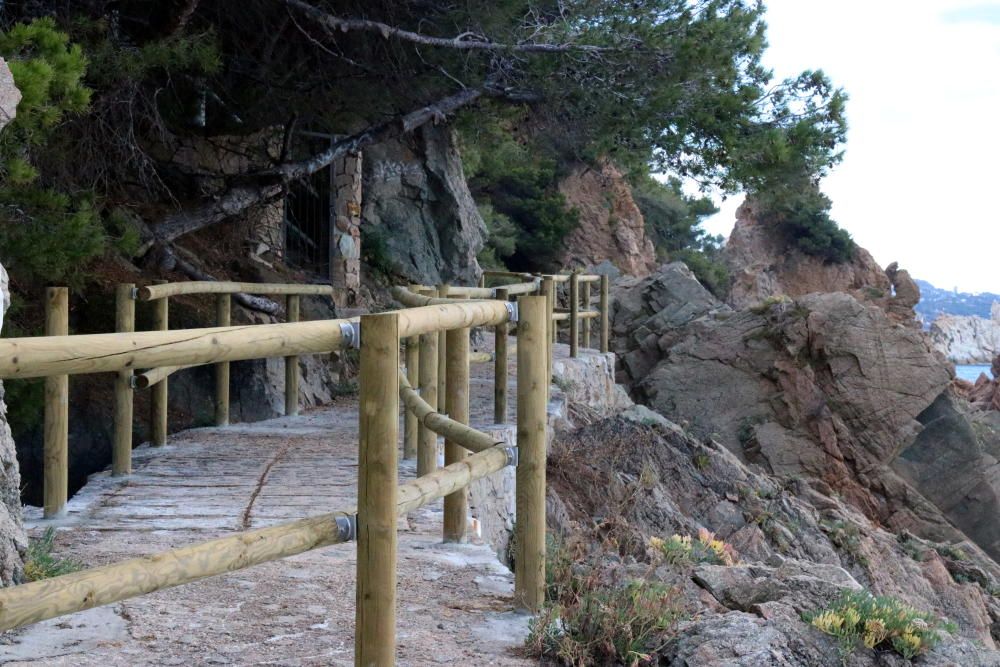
(455, 601)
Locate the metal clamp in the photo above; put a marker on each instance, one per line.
(134, 293)
(511, 453)
(511, 307)
(351, 331)
(347, 527)
(133, 381)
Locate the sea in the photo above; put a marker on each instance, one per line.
(971, 373)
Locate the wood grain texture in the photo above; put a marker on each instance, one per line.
(99, 353)
(532, 389)
(500, 366)
(121, 448)
(411, 426)
(574, 320)
(292, 361)
(55, 449)
(456, 505)
(605, 313)
(158, 405)
(165, 289)
(375, 628)
(427, 461)
(585, 299)
(223, 318)
(456, 431)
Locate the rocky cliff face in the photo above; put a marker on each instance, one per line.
(968, 339)
(13, 540)
(984, 393)
(611, 226)
(761, 266)
(418, 205)
(823, 387)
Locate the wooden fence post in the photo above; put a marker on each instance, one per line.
(574, 313)
(375, 642)
(56, 431)
(532, 390)
(427, 451)
(292, 363)
(442, 373)
(121, 450)
(456, 505)
(549, 290)
(500, 366)
(586, 324)
(412, 427)
(605, 313)
(223, 318)
(159, 398)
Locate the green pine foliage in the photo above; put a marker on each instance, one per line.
(673, 222)
(516, 185)
(46, 235)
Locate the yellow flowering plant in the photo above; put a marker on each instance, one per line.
(684, 550)
(879, 622)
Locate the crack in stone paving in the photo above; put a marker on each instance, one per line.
(246, 520)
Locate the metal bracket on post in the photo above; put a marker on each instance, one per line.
(511, 452)
(134, 293)
(348, 527)
(511, 307)
(132, 381)
(351, 331)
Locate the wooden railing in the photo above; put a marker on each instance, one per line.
(56, 431)
(469, 454)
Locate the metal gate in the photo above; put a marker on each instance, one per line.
(309, 212)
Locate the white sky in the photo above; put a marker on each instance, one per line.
(919, 180)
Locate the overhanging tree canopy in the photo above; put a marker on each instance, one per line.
(675, 85)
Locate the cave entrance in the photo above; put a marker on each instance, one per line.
(310, 211)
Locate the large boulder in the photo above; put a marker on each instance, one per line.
(824, 387)
(13, 540)
(611, 226)
(761, 265)
(418, 206)
(621, 482)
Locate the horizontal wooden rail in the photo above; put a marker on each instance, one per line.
(40, 600)
(451, 315)
(589, 278)
(99, 353)
(155, 375)
(466, 436)
(153, 292)
(582, 315)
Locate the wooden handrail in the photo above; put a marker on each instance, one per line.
(45, 356)
(153, 292)
(373, 523)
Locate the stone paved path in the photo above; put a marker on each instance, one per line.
(455, 601)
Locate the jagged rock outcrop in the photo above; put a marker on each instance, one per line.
(823, 387)
(798, 547)
(762, 266)
(13, 540)
(611, 226)
(968, 339)
(984, 393)
(417, 205)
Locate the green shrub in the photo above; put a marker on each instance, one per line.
(593, 618)
(859, 617)
(39, 563)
